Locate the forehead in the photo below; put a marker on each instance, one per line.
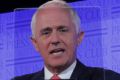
(53, 16)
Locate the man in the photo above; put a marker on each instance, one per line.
(56, 34)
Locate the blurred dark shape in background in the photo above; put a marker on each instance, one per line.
(10, 5)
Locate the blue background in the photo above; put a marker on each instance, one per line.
(99, 48)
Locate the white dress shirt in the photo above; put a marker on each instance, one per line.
(66, 74)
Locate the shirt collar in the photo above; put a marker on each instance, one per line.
(66, 74)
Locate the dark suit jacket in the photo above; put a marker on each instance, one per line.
(81, 72)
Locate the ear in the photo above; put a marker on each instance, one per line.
(34, 42)
(80, 37)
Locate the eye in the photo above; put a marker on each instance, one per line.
(46, 31)
(63, 29)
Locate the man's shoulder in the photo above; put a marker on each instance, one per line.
(25, 77)
(98, 70)
(105, 74)
(30, 76)
(94, 73)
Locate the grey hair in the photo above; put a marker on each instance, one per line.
(61, 3)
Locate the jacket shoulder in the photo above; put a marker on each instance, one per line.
(27, 76)
(103, 74)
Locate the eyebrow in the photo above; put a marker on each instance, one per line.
(62, 26)
(49, 29)
(45, 29)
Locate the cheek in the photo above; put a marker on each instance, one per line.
(70, 43)
(71, 40)
(42, 47)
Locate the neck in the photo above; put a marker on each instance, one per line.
(58, 69)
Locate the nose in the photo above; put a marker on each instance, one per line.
(55, 40)
(55, 43)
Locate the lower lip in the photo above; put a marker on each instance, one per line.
(58, 53)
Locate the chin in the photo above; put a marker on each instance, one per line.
(59, 63)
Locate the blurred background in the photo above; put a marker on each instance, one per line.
(100, 20)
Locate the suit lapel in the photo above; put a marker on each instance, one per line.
(39, 75)
(80, 72)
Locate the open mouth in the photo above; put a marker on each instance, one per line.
(57, 51)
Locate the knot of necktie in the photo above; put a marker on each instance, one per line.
(55, 77)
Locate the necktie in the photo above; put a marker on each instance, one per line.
(55, 77)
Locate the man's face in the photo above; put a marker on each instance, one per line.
(55, 37)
